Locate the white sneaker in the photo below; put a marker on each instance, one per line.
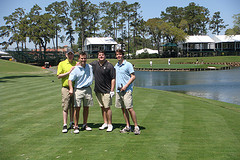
(137, 130)
(104, 126)
(126, 129)
(85, 127)
(110, 128)
(76, 131)
(64, 130)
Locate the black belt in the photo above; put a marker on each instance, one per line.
(83, 87)
(66, 87)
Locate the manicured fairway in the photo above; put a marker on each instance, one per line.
(173, 126)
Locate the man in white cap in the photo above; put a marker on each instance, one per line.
(64, 69)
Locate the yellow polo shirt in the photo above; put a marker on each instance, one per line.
(64, 67)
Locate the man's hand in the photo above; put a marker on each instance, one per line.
(123, 88)
(112, 94)
(71, 92)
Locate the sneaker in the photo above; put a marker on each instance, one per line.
(110, 128)
(64, 130)
(137, 131)
(125, 130)
(104, 126)
(85, 127)
(76, 130)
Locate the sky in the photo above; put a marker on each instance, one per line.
(149, 8)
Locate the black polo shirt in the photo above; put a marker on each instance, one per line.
(103, 76)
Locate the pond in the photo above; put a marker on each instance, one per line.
(221, 85)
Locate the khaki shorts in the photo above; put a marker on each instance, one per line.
(124, 100)
(104, 99)
(83, 95)
(67, 100)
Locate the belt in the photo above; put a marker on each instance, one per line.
(83, 87)
(66, 87)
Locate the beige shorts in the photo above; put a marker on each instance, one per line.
(124, 100)
(83, 95)
(104, 99)
(67, 100)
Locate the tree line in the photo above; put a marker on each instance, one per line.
(121, 20)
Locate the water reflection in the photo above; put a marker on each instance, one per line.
(218, 85)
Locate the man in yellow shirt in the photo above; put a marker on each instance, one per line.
(64, 69)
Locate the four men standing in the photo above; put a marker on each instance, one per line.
(105, 75)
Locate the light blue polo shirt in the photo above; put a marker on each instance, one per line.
(123, 74)
(83, 77)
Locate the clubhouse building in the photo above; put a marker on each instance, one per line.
(207, 46)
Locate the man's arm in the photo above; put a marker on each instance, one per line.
(65, 74)
(133, 77)
(112, 85)
(70, 87)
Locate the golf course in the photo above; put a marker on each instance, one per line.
(174, 126)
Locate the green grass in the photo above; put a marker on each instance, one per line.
(177, 66)
(163, 62)
(13, 67)
(174, 126)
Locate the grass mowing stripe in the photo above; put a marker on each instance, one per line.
(197, 134)
(174, 126)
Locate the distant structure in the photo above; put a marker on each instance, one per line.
(94, 44)
(227, 43)
(63, 50)
(204, 45)
(146, 50)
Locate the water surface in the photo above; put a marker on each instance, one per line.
(221, 85)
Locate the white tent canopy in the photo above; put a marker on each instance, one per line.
(146, 50)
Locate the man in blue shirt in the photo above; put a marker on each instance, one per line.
(124, 88)
(82, 75)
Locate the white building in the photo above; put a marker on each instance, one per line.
(94, 44)
(227, 43)
(198, 43)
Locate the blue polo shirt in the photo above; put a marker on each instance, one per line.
(123, 74)
(83, 77)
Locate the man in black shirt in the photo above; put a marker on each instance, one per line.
(104, 74)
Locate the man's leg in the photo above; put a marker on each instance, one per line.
(108, 113)
(65, 116)
(85, 114)
(133, 116)
(76, 116)
(85, 118)
(104, 115)
(71, 108)
(134, 119)
(109, 118)
(126, 117)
